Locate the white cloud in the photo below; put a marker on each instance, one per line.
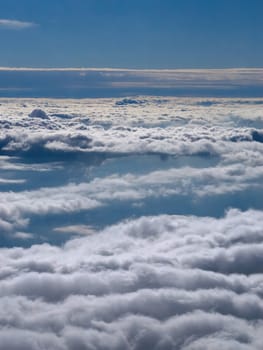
(16, 208)
(75, 229)
(160, 126)
(220, 131)
(15, 24)
(163, 282)
(138, 285)
(10, 181)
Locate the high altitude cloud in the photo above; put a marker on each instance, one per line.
(85, 82)
(168, 282)
(15, 24)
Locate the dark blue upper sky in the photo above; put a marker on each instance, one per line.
(132, 33)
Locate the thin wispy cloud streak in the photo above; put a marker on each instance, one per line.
(15, 24)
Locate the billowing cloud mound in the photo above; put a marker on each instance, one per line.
(38, 113)
(167, 282)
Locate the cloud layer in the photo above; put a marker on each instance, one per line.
(150, 125)
(156, 282)
(216, 142)
(168, 282)
(88, 82)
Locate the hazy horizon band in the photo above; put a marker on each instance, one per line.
(119, 82)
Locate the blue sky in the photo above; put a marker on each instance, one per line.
(131, 34)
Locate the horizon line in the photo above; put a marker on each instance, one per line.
(6, 68)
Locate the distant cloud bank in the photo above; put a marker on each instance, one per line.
(84, 82)
(15, 24)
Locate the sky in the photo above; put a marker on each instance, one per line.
(132, 221)
(137, 34)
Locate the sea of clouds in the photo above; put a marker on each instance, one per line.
(151, 280)
(167, 282)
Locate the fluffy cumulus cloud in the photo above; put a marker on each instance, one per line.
(226, 134)
(17, 206)
(156, 282)
(166, 282)
(151, 125)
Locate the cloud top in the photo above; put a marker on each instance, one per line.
(166, 282)
(139, 280)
